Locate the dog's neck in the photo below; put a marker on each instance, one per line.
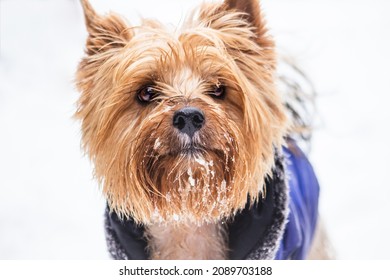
(187, 241)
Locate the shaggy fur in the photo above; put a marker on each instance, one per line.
(133, 80)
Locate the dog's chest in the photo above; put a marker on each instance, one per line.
(187, 241)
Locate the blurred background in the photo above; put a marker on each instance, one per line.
(50, 206)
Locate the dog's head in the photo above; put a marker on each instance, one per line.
(183, 125)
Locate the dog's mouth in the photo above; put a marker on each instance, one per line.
(195, 149)
(192, 150)
(181, 151)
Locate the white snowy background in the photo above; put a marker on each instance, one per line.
(50, 206)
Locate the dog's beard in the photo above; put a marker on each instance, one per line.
(191, 180)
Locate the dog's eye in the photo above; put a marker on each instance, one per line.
(218, 91)
(146, 94)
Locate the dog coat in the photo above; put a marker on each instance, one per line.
(279, 226)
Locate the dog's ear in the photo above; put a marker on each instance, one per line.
(105, 32)
(254, 16)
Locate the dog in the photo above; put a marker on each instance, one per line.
(191, 140)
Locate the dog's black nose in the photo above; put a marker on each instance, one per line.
(188, 120)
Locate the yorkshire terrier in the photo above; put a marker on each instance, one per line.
(190, 139)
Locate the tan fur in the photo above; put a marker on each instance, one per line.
(177, 242)
(137, 153)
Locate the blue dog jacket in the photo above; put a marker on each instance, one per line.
(303, 206)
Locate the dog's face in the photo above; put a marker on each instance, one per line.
(180, 126)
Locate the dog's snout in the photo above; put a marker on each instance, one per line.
(188, 120)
